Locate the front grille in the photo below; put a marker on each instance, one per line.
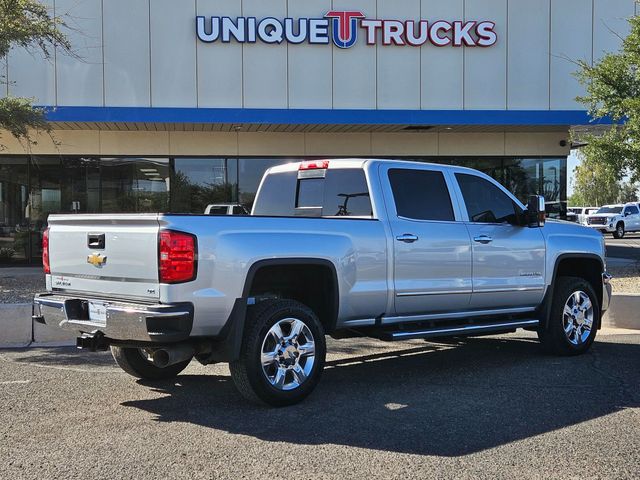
(597, 221)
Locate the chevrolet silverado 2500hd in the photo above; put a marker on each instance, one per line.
(388, 249)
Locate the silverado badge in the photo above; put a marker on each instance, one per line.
(96, 259)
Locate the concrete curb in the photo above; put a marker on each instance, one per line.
(624, 311)
(15, 325)
(18, 330)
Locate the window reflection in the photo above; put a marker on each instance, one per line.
(134, 185)
(14, 214)
(198, 182)
(31, 188)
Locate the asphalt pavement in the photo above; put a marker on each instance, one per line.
(490, 407)
(626, 248)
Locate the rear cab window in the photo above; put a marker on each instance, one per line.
(332, 192)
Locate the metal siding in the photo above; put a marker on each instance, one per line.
(127, 67)
(79, 81)
(528, 55)
(173, 53)
(354, 69)
(310, 66)
(442, 69)
(265, 65)
(485, 69)
(571, 40)
(398, 67)
(611, 24)
(30, 75)
(219, 64)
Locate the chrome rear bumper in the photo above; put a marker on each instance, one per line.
(123, 320)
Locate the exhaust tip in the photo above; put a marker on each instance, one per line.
(160, 358)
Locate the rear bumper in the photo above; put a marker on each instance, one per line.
(127, 321)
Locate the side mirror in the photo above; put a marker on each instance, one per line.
(536, 212)
(626, 214)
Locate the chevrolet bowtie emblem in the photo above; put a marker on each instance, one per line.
(96, 259)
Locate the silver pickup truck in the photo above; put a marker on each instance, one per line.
(393, 250)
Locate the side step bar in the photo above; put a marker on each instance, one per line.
(458, 330)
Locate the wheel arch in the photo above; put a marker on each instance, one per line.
(311, 281)
(583, 265)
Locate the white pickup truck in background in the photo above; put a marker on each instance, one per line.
(388, 249)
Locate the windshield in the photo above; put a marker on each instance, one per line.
(610, 210)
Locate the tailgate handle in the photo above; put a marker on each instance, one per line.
(95, 240)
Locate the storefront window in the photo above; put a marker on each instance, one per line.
(135, 184)
(33, 188)
(198, 182)
(250, 173)
(14, 214)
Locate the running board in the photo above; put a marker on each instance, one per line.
(458, 330)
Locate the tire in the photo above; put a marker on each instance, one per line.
(132, 361)
(284, 379)
(619, 233)
(562, 335)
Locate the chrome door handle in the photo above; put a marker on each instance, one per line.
(407, 238)
(483, 239)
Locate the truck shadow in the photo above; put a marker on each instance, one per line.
(446, 401)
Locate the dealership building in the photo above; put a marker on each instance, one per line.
(169, 105)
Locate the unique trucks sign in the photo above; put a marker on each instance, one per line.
(343, 28)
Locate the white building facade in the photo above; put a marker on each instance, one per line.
(169, 105)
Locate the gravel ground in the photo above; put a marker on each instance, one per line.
(625, 279)
(19, 285)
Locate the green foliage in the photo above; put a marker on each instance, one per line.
(613, 90)
(27, 24)
(595, 183)
(628, 192)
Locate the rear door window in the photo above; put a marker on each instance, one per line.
(421, 194)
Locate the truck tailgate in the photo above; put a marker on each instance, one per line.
(108, 255)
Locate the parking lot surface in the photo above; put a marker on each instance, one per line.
(627, 247)
(490, 407)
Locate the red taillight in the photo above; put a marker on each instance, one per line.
(314, 165)
(177, 257)
(45, 251)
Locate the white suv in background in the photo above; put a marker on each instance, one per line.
(582, 213)
(616, 219)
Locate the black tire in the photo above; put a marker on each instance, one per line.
(247, 372)
(619, 233)
(553, 338)
(131, 360)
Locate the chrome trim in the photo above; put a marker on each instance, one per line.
(102, 277)
(365, 322)
(143, 311)
(455, 315)
(439, 292)
(513, 289)
(464, 329)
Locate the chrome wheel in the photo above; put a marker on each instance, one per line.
(620, 230)
(577, 318)
(288, 354)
